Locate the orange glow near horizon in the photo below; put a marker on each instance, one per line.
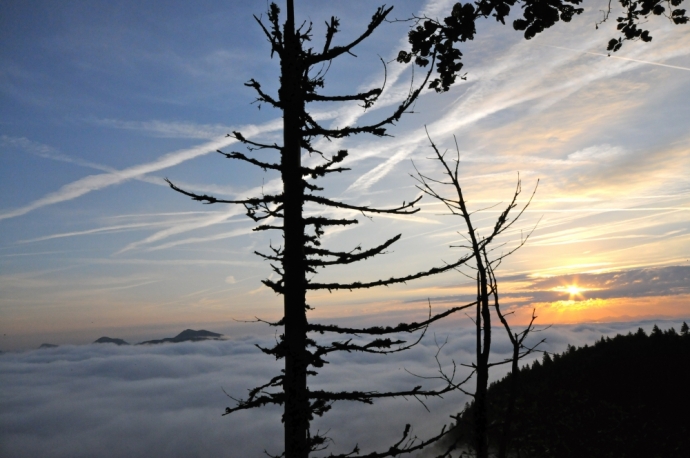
(605, 310)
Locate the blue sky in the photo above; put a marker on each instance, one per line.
(100, 102)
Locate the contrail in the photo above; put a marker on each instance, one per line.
(114, 177)
(623, 58)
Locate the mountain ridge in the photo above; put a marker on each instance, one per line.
(188, 335)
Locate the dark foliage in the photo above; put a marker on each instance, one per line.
(621, 397)
(437, 39)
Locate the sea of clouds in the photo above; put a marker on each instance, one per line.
(167, 400)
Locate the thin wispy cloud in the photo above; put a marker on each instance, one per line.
(166, 262)
(99, 230)
(48, 152)
(169, 129)
(96, 182)
(614, 56)
(492, 93)
(38, 253)
(194, 240)
(176, 229)
(155, 215)
(476, 106)
(272, 186)
(654, 217)
(72, 285)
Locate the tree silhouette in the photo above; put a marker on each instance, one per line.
(435, 41)
(298, 260)
(484, 266)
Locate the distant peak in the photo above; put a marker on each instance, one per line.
(204, 334)
(188, 335)
(111, 340)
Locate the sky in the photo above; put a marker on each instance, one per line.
(100, 103)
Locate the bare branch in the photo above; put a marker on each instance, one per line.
(212, 200)
(254, 400)
(374, 129)
(406, 445)
(390, 281)
(401, 210)
(332, 53)
(256, 146)
(263, 97)
(348, 258)
(343, 98)
(379, 330)
(242, 157)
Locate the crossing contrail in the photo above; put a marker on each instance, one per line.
(623, 58)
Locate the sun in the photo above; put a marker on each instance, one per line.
(573, 290)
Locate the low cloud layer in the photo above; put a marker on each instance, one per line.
(166, 400)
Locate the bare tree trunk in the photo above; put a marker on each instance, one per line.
(512, 396)
(296, 416)
(487, 287)
(483, 350)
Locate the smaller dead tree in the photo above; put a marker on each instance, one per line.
(486, 261)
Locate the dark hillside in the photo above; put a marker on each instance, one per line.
(111, 340)
(622, 397)
(188, 335)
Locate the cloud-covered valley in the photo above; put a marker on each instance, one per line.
(167, 400)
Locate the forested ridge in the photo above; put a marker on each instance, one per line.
(625, 396)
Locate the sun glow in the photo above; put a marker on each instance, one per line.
(573, 290)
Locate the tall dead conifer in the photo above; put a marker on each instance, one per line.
(302, 254)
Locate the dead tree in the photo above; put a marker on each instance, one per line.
(484, 266)
(297, 261)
